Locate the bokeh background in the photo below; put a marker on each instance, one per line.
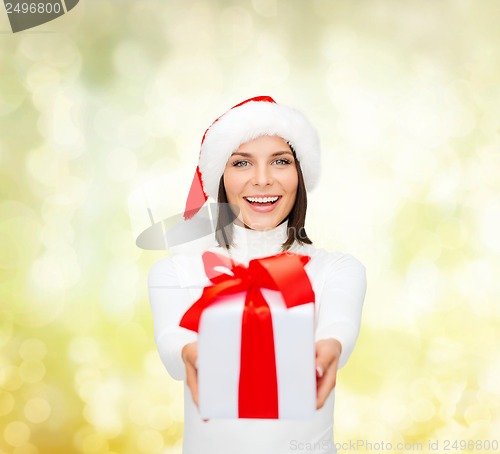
(116, 95)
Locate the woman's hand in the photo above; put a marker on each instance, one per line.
(190, 356)
(327, 359)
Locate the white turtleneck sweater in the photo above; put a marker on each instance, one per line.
(339, 284)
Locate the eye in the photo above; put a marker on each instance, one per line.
(240, 163)
(282, 161)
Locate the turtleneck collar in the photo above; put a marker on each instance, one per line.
(250, 244)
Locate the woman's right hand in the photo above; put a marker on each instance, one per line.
(190, 357)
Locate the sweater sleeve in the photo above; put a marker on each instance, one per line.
(341, 303)
(169, 301)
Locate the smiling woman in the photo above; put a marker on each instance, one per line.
(267, 366)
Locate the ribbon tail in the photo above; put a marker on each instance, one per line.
(258, 385)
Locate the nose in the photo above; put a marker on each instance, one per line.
(262, 175)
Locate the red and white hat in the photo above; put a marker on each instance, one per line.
(246, 121)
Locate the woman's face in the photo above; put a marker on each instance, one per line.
(261, 179)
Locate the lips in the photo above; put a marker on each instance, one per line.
(262, 200)
(263, 204)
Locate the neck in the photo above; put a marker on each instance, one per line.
(249, 243)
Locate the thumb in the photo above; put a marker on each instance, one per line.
(322, 364)
(320, 368)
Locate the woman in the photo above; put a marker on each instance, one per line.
(261, 158)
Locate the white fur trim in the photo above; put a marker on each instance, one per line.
(249, 121)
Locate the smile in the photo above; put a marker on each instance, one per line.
(262, 199)
(263, 204)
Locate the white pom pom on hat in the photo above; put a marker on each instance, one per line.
(246, 121)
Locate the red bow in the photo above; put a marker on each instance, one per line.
(258, 387)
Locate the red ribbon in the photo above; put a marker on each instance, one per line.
(258, 386)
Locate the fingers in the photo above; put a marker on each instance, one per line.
(190, 357)
(327, 355)
(325, 384)
(192, 381)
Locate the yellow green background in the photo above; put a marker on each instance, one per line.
(117, 94)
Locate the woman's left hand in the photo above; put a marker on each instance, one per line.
(327, 359)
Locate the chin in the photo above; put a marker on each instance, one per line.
(262, 223)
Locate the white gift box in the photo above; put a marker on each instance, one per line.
(219, 348)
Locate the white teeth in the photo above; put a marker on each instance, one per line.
(262, 199)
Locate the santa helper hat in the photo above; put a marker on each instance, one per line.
(246, 121)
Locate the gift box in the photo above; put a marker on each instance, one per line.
(256, 352)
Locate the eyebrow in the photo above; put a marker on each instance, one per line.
(249, 155)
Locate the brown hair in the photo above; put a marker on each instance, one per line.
(296, 218)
